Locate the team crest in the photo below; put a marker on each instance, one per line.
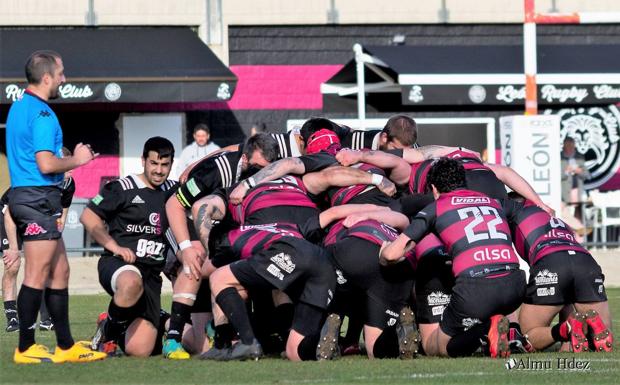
(597, 137)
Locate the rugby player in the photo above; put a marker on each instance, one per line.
(135, 247)
(488, 282)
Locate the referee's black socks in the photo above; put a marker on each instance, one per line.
(233, 306)
(28, 303)
(57, 301)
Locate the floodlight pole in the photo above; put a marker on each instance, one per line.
(361, 94)
(529, 42)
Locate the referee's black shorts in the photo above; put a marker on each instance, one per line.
(36, 212)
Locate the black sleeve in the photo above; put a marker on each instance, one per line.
(68, 190)
(311, 230)
(318, 161)
(201, 181)
(422, 224)
(109, 201)
(511, 208)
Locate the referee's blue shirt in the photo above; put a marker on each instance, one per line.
(31, 127)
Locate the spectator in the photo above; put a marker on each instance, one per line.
(574, 172)
(258, 127)
(200, 148)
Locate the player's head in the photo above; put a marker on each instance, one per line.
(400, 131)
(258, 151)
(202, 134)
(45, 70)
(446, 175)
(323, 140)
(313, 125)
(157, 157)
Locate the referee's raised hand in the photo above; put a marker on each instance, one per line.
(83, 153)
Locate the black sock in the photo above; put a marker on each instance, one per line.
(10, 309)
(233, 306)
(465, 344)
(28, 302)
(307, 348)
(58, 304)
(224, 335)
(557, 336)
(44, 314)
(179, 315)
(283, 318)
(354, 329)
(117, 321)
(386, 346)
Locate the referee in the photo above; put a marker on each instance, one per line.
(36, 167)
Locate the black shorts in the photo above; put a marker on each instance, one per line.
(433, 287)
(475, 300)
(149, 304)
(382, 290)
(36, 212)
(299, 268)
(565, 277)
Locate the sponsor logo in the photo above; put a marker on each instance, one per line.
(154, 219)
(415, 94)
(340, 278)
(142, 229)
(112, 92)
(284, 262)
(438, 298)
(545, 291)
(597, 138)
(97, 199)
(601, 289)
(469, 322)
(34, 229)
(477, 94)
(438, 310)
(546, 277)
(5, 241)
(330, 296)
(391, 322)
(44, 114)
(273, 270)
(192, 188)
(391, 313)
(487, 254)
(598, 280)
(151, 249)
(137, 200)
(470, 200)
(223, 91)
(389, 230)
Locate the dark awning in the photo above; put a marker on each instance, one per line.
(120, 65)
(485, 75)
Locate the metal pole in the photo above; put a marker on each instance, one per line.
(529, 59)
(361, 94)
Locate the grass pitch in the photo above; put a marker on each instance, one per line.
(539, 368)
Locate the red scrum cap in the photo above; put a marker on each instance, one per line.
(321, 140)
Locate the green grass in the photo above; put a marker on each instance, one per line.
(605, 368)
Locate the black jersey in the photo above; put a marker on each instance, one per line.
(223, 170)
(359, 139)
(136, 217)
(287, 145)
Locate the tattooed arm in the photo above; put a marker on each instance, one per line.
(204, 211)
(420, 154)
(397, 168)
(338, 176)
(271, 172)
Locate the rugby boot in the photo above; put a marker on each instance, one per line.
(518, 342)
(601, 336)
(99, 337)
(35, 354)
(12, 325)
(408, 335)
(498, 337)
(328, 348)
(77, 353)
(217, 354)
(242, 352)
(173, 350)
(578, 330)
(46, 325)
